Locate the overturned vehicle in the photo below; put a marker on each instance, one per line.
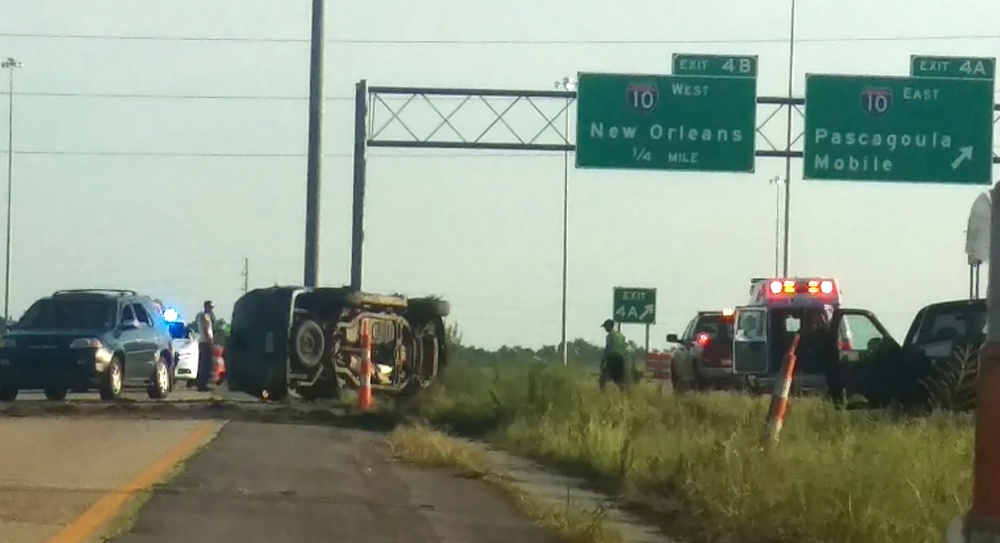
(309, 340)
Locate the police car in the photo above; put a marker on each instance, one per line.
(184, 341)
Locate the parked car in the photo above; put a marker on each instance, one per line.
(935, 366)
(87, 339)
(703, 358)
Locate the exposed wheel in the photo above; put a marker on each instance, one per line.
(111, 382)
(8, 394)
(424, 308)
(308, 343)
(56, 394)
(159, 382)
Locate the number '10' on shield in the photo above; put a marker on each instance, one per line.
(876, 101)
(643, 97)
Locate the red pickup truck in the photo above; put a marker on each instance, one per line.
(703, 358)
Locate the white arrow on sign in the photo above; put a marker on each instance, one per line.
(964, 153)
(648, 310)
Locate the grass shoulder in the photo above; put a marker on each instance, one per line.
(423, 446)
(694, 461)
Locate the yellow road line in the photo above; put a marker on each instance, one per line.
(111, 504)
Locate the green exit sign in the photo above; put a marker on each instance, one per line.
(666, 122)
(715, 65)
(634, 305)
(903, 129)
(953, 67)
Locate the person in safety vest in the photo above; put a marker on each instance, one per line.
(613, 362)
(205, 322)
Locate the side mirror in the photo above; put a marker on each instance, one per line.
(130, 324)
(672, 338)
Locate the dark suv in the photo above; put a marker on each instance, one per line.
(84, 339)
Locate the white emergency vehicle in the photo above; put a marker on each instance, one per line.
(184, 341)
(778, 309)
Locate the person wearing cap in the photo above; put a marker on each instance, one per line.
(613, 362)
(205, 322)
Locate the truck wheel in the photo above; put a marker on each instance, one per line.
(429, 307)
(308, 343)
(676, 380)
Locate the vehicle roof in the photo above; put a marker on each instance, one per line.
(979, 302)
(96, 292)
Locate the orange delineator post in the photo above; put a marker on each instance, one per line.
(779, 398)
(365, 388)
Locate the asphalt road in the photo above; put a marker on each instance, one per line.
(53, 470)
(270, 483)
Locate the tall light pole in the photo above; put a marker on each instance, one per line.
(788, 138)
(567, 84)
(9, 64)
(776, 181)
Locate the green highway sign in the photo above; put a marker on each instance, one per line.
(953, 67)
(715, 65)
(634, 305)
(666, 122)
(906, 129)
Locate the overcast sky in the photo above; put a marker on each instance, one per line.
(94, 206)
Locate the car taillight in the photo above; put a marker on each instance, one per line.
(845, 345)
(702, 339)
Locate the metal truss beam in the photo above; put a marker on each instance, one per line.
(521, 120)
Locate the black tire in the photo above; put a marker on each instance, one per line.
(425, 308)
(675, 381)
(308, 343)
(8, 394)
(277, 388)
(160, 383)
(56, 394)
(112, 382)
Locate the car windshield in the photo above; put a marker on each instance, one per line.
(717, 326)
(952, 323)
(178, 330)
(69, 314)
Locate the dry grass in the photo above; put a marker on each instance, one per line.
(695, 461)
(429, 448)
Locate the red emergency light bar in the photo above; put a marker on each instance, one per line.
(783, 287)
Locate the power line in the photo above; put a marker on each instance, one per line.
(365, 41)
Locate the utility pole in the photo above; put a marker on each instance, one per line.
(314, 168)
(776, 181)
(9, 64)
(246, 275)
(788, 140)
(568, 85)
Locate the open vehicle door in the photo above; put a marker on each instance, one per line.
(861, 334)
(870, 354)
(750, 346)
